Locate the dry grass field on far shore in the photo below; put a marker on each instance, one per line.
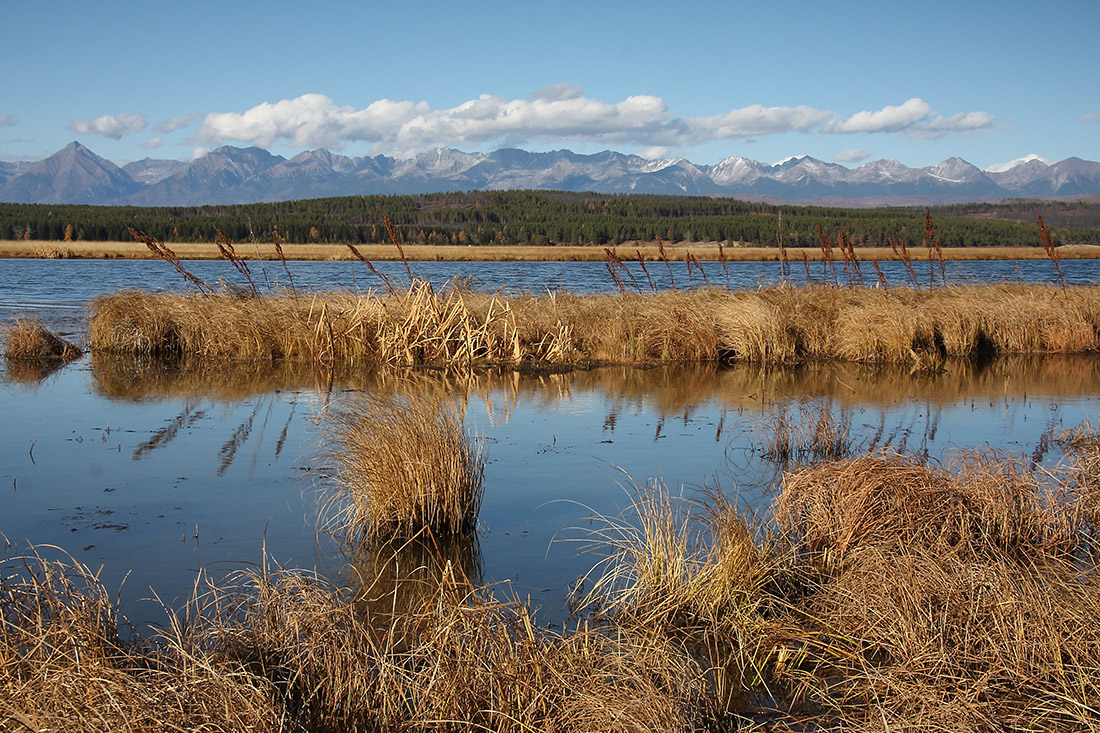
(704, 251)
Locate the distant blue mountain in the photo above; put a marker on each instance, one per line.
(245, 175)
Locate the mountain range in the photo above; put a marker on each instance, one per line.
(230, 175)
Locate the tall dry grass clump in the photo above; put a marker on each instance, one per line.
(692, 571)
(27, 339)
(443, 328)
(460, 660)
(400, 464)
(962, 598)
(63, 665)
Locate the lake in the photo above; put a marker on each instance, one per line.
(152, 474)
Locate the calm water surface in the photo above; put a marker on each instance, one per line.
(152, 475)
(61, 288)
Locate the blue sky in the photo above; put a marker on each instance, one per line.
(848, 82)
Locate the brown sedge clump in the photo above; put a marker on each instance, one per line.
(400, 465)
(26, 339)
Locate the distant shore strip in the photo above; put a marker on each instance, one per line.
(649, 251)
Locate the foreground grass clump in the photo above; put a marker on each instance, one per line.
(962, 599)
(401, 464)
(29, 340)
(771, 325)
(64, 667)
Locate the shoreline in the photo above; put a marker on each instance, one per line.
(703, 251)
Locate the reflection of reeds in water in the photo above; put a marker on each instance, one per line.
(804, 433)
(162, 437)
(29, 374)
(401, 464)
(394, 579)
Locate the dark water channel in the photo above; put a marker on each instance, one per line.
(150, 475)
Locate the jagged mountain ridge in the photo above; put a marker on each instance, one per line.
(232, 175)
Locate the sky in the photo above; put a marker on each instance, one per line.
(846, 82)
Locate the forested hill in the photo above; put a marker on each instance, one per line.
(551, 218)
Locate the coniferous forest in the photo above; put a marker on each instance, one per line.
(548, 218)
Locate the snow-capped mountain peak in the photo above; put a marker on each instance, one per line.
(1004, 167)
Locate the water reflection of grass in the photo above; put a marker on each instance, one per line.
(669, 389)
(881, 591)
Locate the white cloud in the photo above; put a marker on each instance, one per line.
(557, 113)
(153, 142)
(113, 126)
(1090, 117)
(8, 120)
(176, 123)
(852, 156)
(912, 119)
(887, 119)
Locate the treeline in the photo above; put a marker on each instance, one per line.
(542, 218)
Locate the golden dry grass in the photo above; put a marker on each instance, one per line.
(400, 465)
(64, 667)
(28, 340)
(772, 325)
(962, 598)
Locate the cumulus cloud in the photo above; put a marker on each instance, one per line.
(8, 120)
(153, 142)
(914, 118)
(852, 156)
(556, 113)
(176, 123)
(113, 126)
(1090, 117)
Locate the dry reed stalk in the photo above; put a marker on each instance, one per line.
(641, 262)
(26, 339)
(725, 268)
(374, 271)
(1051, 250)
(664, 258)
(277, 241)
(161, 250)
(227, 251)
(826, 255)
(935, 250)
(397, 243)
(400, 465)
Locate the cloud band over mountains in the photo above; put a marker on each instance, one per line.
(556, 113)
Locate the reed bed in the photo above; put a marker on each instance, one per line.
(63, 665)
(27, 339)
(962, 598)
(886, 594)
(399, 465)
(780, 324)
